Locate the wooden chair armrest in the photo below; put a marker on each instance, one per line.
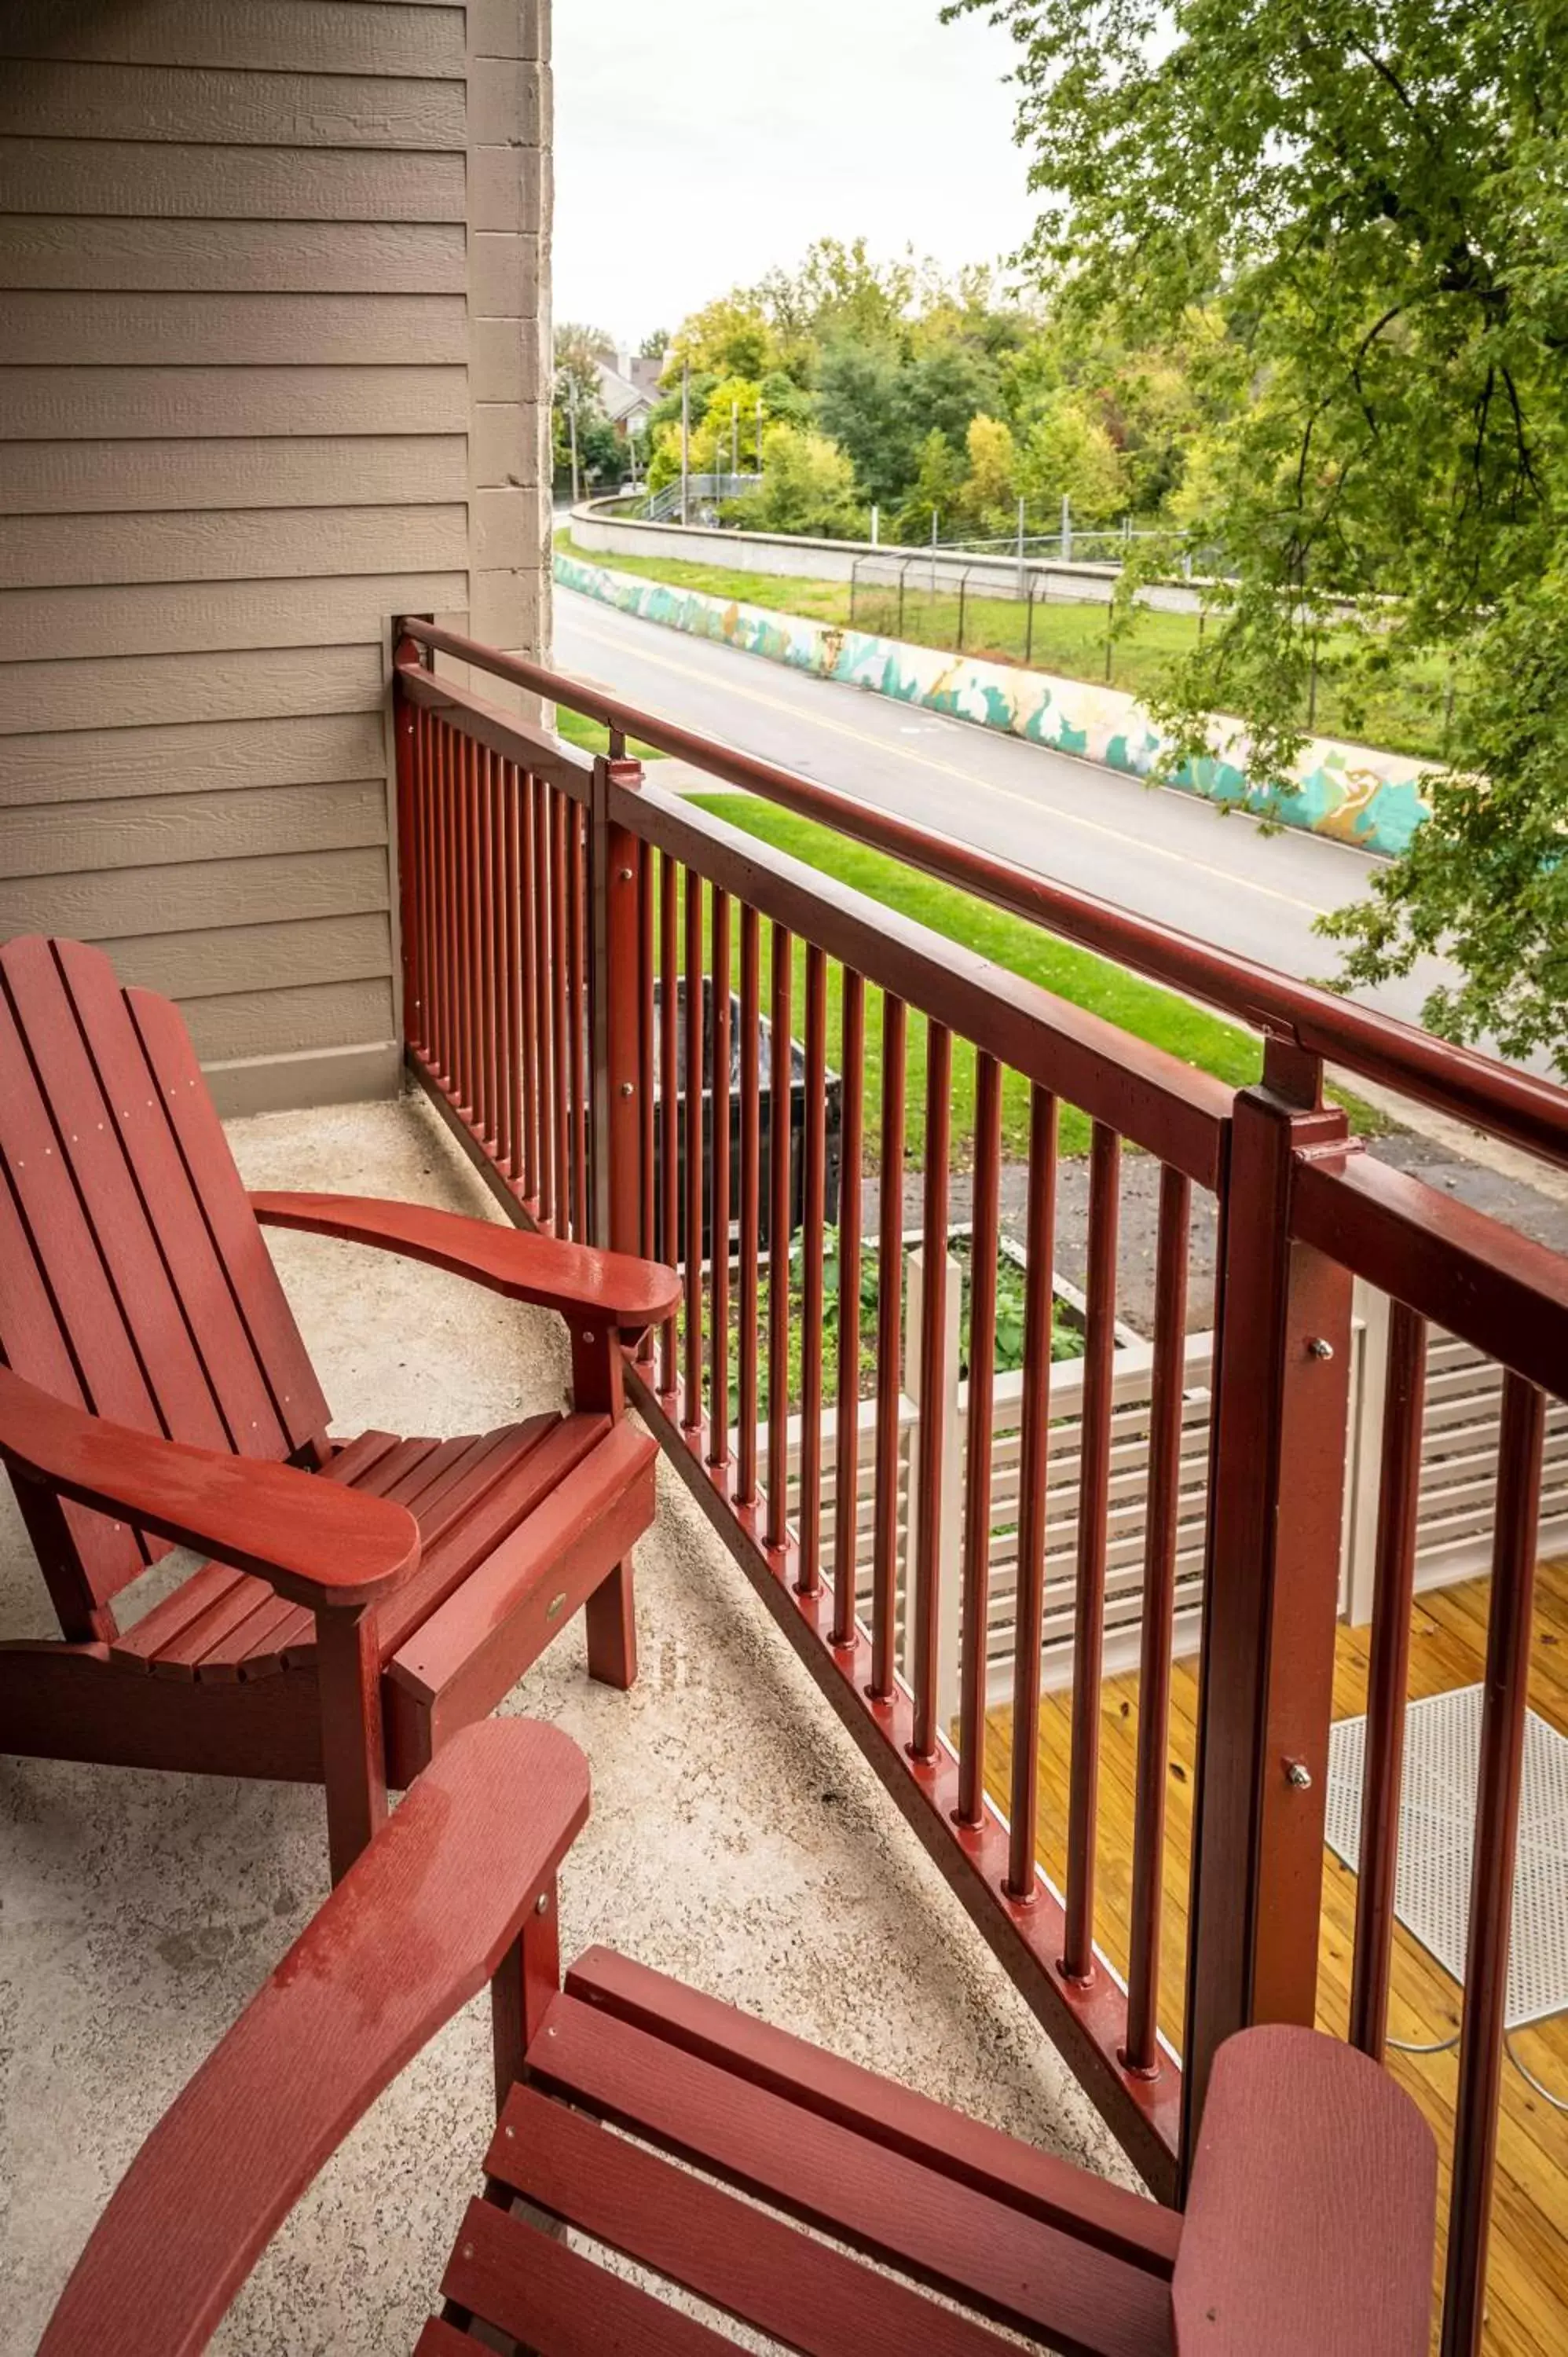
(569, 1278)
(1309, 2228)
(324, 1545)
(418, 1924)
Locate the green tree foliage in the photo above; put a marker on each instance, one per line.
(1370, 199)
(1070, 450)
(807, 486)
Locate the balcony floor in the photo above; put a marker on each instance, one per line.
(737, 1839)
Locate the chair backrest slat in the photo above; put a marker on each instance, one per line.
(134, 1279)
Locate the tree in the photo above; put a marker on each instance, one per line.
(1068, 450)
(936, 491)
(1371, 197)
(989, 490)
(807, 486)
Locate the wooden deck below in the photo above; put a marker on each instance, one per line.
(1528, 2289)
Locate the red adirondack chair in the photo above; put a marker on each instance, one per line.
(364, 1599)
(1308, 2232)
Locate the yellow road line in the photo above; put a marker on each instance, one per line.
(948, 770)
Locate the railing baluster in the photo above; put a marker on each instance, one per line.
(443, 900)
(718, 1192)
(780, 1120)
(669, 1102)
(646, 1081)
(1140, 2054)
(1033, 1473)
(503, 905)
(492, 979)
(512, 1036)
(528, 970)
(925, 1604)
(1388, 1672)
(544, 931)
(577, 916)
(1094, 1507)
(748, 1341)
(985, 1242)
(813, 1243)
(468, 932)
(560, 1017)
(852, 1160)
(691, 1255)
(1503, 1714)
(890, 1350)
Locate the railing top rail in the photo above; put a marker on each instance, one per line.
(1527, 1111)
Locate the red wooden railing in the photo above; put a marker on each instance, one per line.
(563, 917)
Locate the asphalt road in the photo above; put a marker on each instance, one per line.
(1166, 855)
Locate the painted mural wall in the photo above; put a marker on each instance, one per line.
(1353, 792)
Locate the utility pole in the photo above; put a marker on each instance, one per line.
(572, 426)
(734, 441)
(685, 441)
(1020, 545)
(1066, 528)
(759, 437)
(935, 513)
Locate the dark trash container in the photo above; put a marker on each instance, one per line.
(834, 1124)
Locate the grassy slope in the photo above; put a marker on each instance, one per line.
(1149, 1012)
(1405, 713)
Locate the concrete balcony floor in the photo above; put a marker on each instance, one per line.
(737, 1839)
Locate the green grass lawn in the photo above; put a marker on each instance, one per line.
(1406, 714)
(1166, 1020)
(593, 736)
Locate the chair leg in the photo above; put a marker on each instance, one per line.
(353, 1741)
(611, 1617)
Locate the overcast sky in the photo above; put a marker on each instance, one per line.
(698, 143)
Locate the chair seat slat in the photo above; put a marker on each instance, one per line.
(760, 2269)
(533, 2289)
(1013, 2268)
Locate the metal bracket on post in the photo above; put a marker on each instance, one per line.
(1276, 1494)
(614, 862)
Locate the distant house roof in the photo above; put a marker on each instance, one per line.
(622, 394)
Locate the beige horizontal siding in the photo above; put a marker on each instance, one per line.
(124, 175)
(128, 693)
(99, 478)
(352, 37)
(104, 766)
(95, 403)
(160, 899)
(235, 958)
(60, 329)
(227, 544)
(270, 373)
(287, 1022)
(166, 830)
(157, 621)
(51, 100)
(280, 257)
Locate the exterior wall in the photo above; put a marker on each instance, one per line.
(272, 330)
(1370, 799)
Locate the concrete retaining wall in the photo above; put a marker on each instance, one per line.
(1353, 792)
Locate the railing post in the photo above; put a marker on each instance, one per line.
(614, 862)
(940, 1422)
(1276, 1491)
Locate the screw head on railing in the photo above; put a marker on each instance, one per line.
(1299, 1774)
(627, 1089)
(541, 1904)
(623, 876)
(1320, 1348)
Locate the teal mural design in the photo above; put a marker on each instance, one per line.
(1372, 800)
